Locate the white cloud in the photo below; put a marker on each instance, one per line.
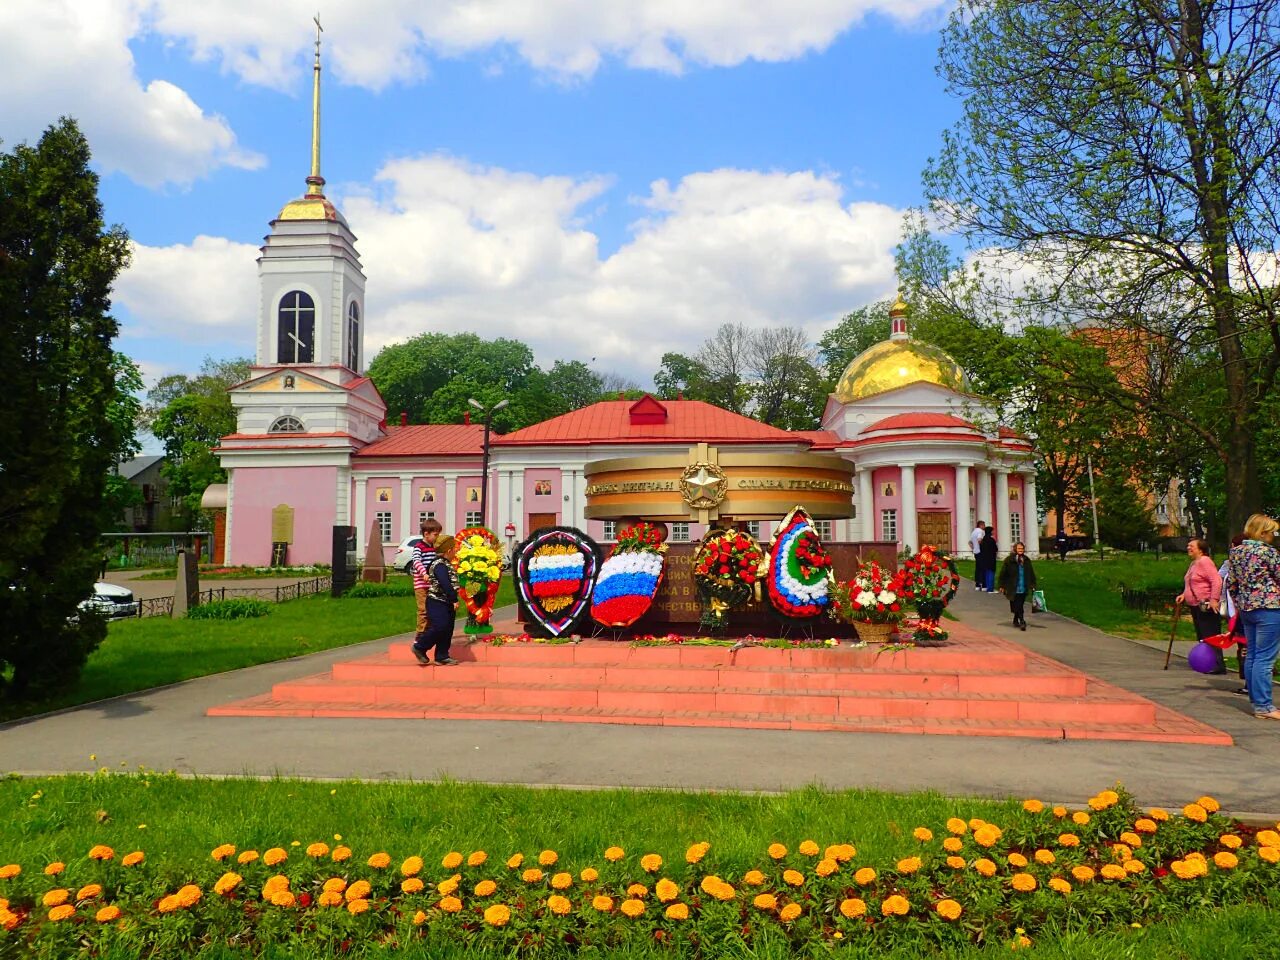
(72, 57)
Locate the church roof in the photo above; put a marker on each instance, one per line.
(626, 421)
(428, 439)
(890, 364)
(917, 421)
(821, 439)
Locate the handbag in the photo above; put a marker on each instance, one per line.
(1038, 604)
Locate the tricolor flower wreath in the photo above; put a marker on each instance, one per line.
(555, 571)
(726, 569)
(630, 577)
(478, 563)
(800, 573)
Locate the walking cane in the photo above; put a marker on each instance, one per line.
(1177, 615)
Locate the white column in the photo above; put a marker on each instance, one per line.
(406, 508)
(450, 518)
(226, 537)
(362, 484)
(866, 505)
(502, 504)
(1004, 534)
(964, 513)
(907, 528)
(569, 489)
(1031, 515)
(982, 498)
(579, 515)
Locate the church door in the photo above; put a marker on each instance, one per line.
(934, 527)
(537, 520)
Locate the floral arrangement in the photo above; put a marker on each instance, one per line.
(641, 535)
(555, 571)
(874, 595)
(726, 569)
(478, 562)
(799, 577)
(1109, 864)
(928, 576)
(928, 633)
(630, 576)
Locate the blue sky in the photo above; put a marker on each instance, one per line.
(598, 183)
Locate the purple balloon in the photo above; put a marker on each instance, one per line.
(1203, 657)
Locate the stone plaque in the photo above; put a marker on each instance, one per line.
(282, 524)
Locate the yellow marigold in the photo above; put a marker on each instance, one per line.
(411, 867)
(1082, 874)
(1269, 854)
(1134, 866)
(637, 890)
(317, 850)
(1268, 838)
(340, 854)
(1109, 797)
(895, 905)
(1145, 826)
(985, 867)
(1017, 860)
(808, 848)
(589, 875)
(1031, 806)
(1158, 813)
(853, 907)
(9, 870)
(825, 868)
(953, 844)
(133, 859)
(101, 851)
(55, 868)
(987, 835)
(696, 852)
(89, 891)
(840, 852)
(956, 863)
(485, 888)
(1226, 860)
(189, 895)
(1023, 882)
(908, 865)
(790, 912)
(248, 856)
(532, 875)
(55, 898)
(949, 909)
(1060, 885)
(62, 912)
(335, 885)
(753, 878)
(514, 861)
(765, 901)
(475, 859)
(107, 914)
(1068, 840)
(283, 898)
(278, 882)
(450, 861)
(632, 908)
(379, 861)
(1113, 872)
(559, 905)
(677, 911)
(1121, 852)
(412, 885)
(602, 903)
(357, 907)
(1193, 811)
(446, 887)
(227, 883)
(1230, 841)
(723, 891)
(1209, 804)
(1131, 838)
(450, 904)
(777, 851)
(1045, 857)
(923, 834)
(666, 891)
(1059, 812)
(1080, 818)
(168, 904)
(274, 856)
(864, 876)
(614, 854)
(419, 918)
(651, 863)
(562, 881)
(548, 858)
(359, 890)
(957, 826)
(793, 878)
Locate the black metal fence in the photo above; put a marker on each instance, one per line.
(1149, 599)
(163, 606)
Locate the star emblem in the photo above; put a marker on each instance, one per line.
(703, 485)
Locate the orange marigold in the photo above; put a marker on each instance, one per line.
(793, 878)
(411, 867)
(9, 870)
(841, 852)
(283, 898)
(1060, 885)
(55, 898)
(226, 883)
(632, 908)
(562, 881)
(379, 861)
(1045, 856)
(419, 918)
(247, 856)
(453, 859)
(107, 914)
(1226, 860)
(589, 875)
(790, 912)
(1193, 811)
(1158, 813)
(1209, 804)
(559, 905)
(1230, 841)
(1134, 866)
(909, 865)
(953, 844)
(853, 907)
(1113, 871)
(532, 875)
(957, 826)
(1131, 838)
(1269, 854)
(1145, 825)
(335, 885)
(651, 863)
(1059, 812)
(825, 867)
(864, 876)
(340, 854)
(411, 885)
(696, 852)
(753, 878)
(987, 835)
(1080, 818)
(666, 890)
(614, 854)
(1031, 806)
(357, 907)
(189, 895)
(89, 891)
(1121, 852)
(985, 867)
(168, 904)
(808, 848)
(317, 850)
(637, 890)
(1068, 840)
(1268, 838)
(55, 868)
(677, 911)
(485, 888)
(548, 858)
(923, 834)
(514, 861)
(956, 863)
(62, 912)
(1023, 882)
(474, 859)
(1082, 874)
(101, 851)
(1017, 860)
(602, 903)
(450, 904)
(278, 882)
(949, 909)
(895, 905)
(777, 851)
(359, 890)
(274, 856)
(448, 886)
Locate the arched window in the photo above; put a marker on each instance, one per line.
(353, 336)
(287, 424)
(297, 328)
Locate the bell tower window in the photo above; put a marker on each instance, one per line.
(353, 336)
(287, 424)
(297, 328)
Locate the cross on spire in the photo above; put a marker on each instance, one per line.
(315, 182)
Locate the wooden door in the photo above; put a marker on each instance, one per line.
(537, 520)
(933, 527)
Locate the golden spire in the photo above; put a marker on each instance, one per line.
(898, 318)
(315, 182)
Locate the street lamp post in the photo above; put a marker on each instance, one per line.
(484, 468)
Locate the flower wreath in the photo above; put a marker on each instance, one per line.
(630, 577)
(555, 570)
(726, 569)
(799, 578)
(478, 563)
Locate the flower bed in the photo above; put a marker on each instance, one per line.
(954, 882)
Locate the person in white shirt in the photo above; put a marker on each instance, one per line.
(975, 538)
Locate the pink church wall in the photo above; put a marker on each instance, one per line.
(1015, 507)
(466, 505)
(374, 504)
(311, 491)
(550, 502)
(879, 477)
(946, 500)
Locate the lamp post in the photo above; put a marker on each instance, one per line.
(484, 469)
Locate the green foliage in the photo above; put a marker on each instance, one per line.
(853, 333)
(236, 608)
(65, 420)
(365, 589)
(124, 411)
(1124, 519)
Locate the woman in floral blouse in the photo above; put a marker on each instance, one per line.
(1254, 582)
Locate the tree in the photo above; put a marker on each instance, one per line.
(125, 411)
(58, 439)
(853, 333)
(1127, 152)
(786, 389)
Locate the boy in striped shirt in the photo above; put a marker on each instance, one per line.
(424, 553)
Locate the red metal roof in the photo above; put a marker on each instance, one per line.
(610, 421)
(821, 439)
(917, 421)
(428, 439)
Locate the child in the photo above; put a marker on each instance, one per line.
(442, 598)
(423, 556)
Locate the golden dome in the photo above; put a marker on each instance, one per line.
(899, 308)
(310, 207)
(896, 363)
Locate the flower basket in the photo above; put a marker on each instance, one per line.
(875, 632)
(478, 564)
(630, 577)
(726, 569)
(874, 596)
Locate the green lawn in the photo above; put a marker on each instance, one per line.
(138, 654)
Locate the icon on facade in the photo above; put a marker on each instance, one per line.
(1015, 493)
(473, 494)
(427, 495)
(542, 488)
(888, 490)
(935, 488)
(384, 495)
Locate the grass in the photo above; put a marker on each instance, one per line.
(139, 654)
(178, 821)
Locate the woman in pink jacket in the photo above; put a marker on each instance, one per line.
(1202, 590)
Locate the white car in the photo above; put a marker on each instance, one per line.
(404, 553)
(112, 601)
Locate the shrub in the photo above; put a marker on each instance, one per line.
(237, 608)
(365, 590)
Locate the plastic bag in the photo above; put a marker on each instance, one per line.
(1038, 604)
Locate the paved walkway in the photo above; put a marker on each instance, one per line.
(151, 589)
(166, 729)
